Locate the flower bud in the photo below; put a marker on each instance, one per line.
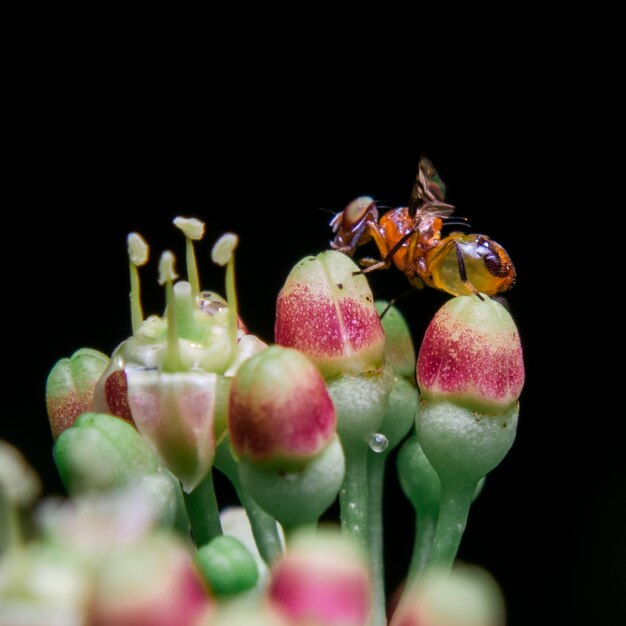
(323, 580)
(227, 566)
(19, 483)
(101, 453)
(280, 413)
(43, 584)
(151, 581)
(466, 596)
(470, 371)
(472, 356)
(70, 387)
(327, 311)
(175, 413)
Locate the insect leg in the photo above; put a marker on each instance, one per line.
(395, 299)
(463, 272)
(386, 258)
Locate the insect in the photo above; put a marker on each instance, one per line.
(410, 237)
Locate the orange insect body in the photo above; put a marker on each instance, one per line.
(410, 236)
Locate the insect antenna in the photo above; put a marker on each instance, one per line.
(456, 221)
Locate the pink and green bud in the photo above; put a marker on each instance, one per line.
(280, 413)
(71, 385)
(327, 311)
(151, 581)
(323, 580)
(175, 412)
(471, 356)
(466, 596)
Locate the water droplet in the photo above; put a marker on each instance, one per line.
(378, 442)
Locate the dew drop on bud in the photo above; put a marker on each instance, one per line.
(378, 442)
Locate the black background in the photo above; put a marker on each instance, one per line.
(106, 138)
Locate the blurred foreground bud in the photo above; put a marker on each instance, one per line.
(323, 580)
(70, 387)
(44, 585)
(466, 596)
(327, 312)
(244, 614)
(151, 581)
(102, 453)
(19, 484)
(280, 414)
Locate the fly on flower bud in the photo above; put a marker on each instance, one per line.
(71, 385)
(280, 413)
(323, 580)
(326, 310)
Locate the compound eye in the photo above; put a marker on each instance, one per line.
(494, 262)
(358, 209)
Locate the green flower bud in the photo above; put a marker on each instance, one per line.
(226, 566)
(101, 453)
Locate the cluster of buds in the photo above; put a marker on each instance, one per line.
(294, 426)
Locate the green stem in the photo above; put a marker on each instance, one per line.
(204, 515)
(425, 525)
(264, 527)
(375, 481)
(353, 495)
(456, 498)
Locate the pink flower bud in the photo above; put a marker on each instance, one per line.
(323, 580)
(280, 413)
(327, 312)
(70, 387)
(472, 356)
(175, 412)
